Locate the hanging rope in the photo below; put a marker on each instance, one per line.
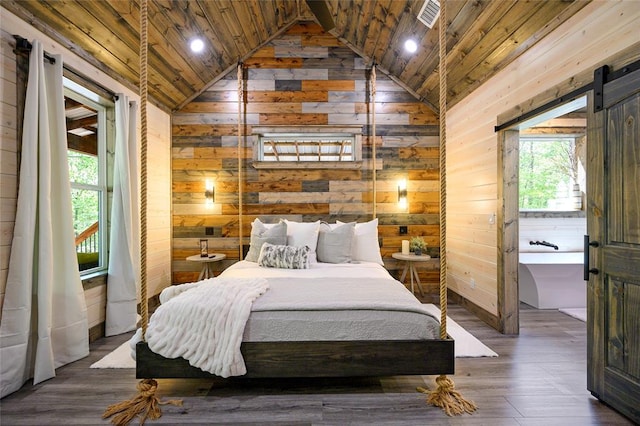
(445, 396)
(373, 136)
(240, 151)
(145, 404)
(443, 171)
(144, 310)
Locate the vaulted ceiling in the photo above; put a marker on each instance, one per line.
(483, 36)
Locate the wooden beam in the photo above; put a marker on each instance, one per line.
(86, 122)
(322, 14)
(85, 144)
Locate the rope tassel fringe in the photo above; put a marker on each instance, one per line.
(145, 404)
(447, 398)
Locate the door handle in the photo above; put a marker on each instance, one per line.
(588, 270)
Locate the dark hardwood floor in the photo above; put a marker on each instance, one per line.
(538, 379)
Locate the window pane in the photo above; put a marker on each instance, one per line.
(546, 174)
(83, 168)
(86, 210)
(302, 148)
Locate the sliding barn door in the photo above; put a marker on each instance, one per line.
(613, 224)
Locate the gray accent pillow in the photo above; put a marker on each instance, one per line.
(283, 256)
(335, 245)
(260, 234)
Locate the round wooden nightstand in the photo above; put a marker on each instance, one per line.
(207, 263)
(409, 265)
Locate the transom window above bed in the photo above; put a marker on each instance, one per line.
(308, 147)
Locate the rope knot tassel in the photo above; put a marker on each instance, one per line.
(448, 398)
(145, 404)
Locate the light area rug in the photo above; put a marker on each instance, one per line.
(466, 346)
(578, 313)
(118, 358)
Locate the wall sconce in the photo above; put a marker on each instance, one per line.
(402, 194)
(209, 193)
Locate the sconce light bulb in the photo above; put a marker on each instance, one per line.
(402, 194)
(209, 192)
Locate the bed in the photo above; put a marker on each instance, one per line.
(326, 320)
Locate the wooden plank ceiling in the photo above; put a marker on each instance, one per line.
(483, 36)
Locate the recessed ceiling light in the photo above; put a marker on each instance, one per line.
(410, 46)
(197, 45)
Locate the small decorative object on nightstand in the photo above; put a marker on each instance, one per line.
(204, 248)
(418, 245)
(207, 263)
(405, 247)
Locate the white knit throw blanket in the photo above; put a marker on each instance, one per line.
(205, 324)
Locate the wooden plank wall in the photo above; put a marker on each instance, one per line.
(593, 35)
(8, 155)
(304, 77)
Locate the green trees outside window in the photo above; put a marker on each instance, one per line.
(548, 173)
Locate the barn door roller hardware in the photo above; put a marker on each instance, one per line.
(599, 79)
(602, 76)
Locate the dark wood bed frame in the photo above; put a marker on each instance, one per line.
(317, 359)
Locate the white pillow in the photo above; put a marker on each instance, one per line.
(366, 247)
(303, 234)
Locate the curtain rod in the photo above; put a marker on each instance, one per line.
(23, 45)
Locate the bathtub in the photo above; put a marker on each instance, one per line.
(552, 280)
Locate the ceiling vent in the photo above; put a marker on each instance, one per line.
(429, 12)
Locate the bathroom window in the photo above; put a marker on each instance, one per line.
(550, 173)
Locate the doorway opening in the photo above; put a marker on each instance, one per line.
(562, 202)
(551, 215)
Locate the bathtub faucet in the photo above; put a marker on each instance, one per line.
(543, 243)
